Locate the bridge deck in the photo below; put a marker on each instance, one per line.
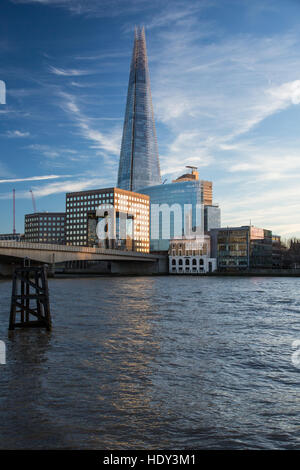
(46, 252)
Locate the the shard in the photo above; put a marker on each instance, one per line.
(139, 162)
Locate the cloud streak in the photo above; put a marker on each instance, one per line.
(17, 134)
(107, 143)
(67, 72)
(33, 178)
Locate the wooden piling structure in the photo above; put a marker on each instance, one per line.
(30, 298)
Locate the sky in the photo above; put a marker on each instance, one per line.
(225, 81)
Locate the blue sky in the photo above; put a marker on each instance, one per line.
(225, 79)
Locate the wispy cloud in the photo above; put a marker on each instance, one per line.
(17, 134)
(58, 188)
(33, 178)
(109, 143)
(67, 72)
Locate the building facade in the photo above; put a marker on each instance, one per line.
(46, 227)
(17, 237)
(85, 209)
(139, 161)
(240, 248)
(191, 256)
(186, 198)
(278, 252)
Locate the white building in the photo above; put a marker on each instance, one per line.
(191, 256)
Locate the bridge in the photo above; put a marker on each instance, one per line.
(76, 257)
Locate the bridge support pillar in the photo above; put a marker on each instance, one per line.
(30, 284)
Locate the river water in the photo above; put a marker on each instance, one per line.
(155, 363)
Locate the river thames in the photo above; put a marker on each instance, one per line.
(155, 363)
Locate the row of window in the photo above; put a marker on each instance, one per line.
(41, 224)
(90, 196)
(45, 218)
(186, 261)
(90, 203)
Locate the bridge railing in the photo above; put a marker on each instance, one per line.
(68, 248)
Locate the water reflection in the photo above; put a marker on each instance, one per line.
(155, 362)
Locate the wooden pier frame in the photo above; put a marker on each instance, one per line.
(30, 286)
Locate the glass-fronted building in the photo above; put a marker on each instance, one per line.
(212, 217)
(178, 205)
(139, 161)
(238, 248)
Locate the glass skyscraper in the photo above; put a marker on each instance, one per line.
(189, 196)
(139, 162)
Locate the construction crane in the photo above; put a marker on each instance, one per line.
(14, 211)
(33, 201)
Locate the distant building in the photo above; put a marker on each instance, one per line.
(191, 256)
(17, 237)
(139, 162)
(46, 227)
(238, 248)
(212, 217)
(278, 252)
(131, 209)
(186, 191)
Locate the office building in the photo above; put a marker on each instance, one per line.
(130, 208)
(187, 197)
(191, 256)
(239, 248)
(139, 161)
(46, 227)
(212, 217)
(207, 187)
(17, 237)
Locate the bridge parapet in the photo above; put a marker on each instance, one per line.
(51, 253)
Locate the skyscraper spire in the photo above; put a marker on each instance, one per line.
(139, 162)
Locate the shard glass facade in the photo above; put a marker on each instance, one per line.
(139, 162)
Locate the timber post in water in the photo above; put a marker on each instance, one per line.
(30, 298)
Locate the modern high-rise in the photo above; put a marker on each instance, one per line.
(139, 161)
(187, 193)
(82, 218)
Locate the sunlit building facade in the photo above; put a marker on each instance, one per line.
(191, 256)
(139, 161)
(130, 208)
